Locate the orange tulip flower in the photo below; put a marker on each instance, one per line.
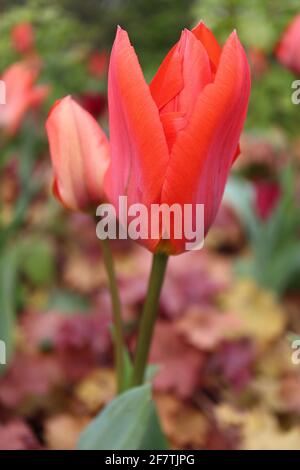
(80, 155)
(21, 94)
(175, 140)
(288, 49)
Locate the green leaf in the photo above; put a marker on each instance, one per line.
(240, 195)
(129, 422)
(38, 262)
(154, 439)
(8, 277)
(67, 302)
(128, 370)
(127, 364)
(151, 371)
(284, 265)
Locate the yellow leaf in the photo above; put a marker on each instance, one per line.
(261, 316)
(97, 389)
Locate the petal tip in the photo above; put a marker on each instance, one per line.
(200, 24)
(121, 33)
(58, 103)
(234, 36)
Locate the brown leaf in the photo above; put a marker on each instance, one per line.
(82, 274)
(62, 431)
(40, 329)
(184, 425)
(290, 393)
(180, 365)
(205, 327)
(226, 231)
(82, 343)
(234, 361)
(97, 389)
(29, 376)
(259, 429)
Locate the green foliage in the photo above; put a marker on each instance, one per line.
(38, 261)
(67, 30)
(8, 280)
(129, 422)
(61, 40)
(258, 24)
(275, 245)
(153, 26)
(67, 302)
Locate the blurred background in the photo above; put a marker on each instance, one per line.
(229, 320)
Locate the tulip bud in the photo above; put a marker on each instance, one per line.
(80, 155)
(288, 49)
(21, 94)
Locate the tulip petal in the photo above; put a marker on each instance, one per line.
(208, 40)
(196, 73)
(181, 76)
(80, 155)
(139, 152)
(168, 80)
(173, 123)
(203, 153)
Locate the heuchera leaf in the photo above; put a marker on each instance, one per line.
(129, 422)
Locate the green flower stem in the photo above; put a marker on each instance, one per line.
(159, 264)
(116, 307)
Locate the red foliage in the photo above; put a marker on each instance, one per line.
(82, 343)
(16, 435)
(180, 365)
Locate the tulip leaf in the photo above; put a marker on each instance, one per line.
(8, 276)
(154, 438)
(128, 370)
(127, 363)
(239, 194)
(151, 371)
(129, 422)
